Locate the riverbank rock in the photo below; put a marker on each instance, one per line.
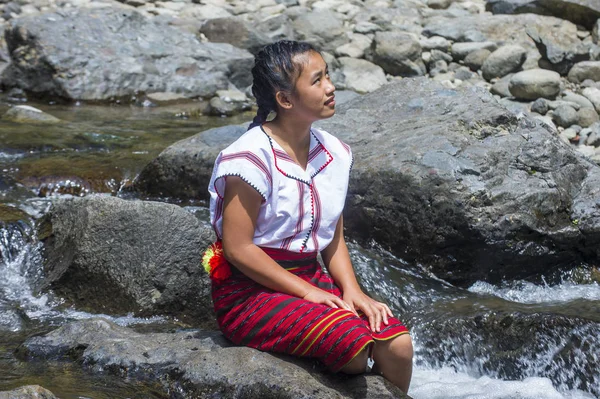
(582, 12)
(28, 392)
(360, 76)
(183, 169)
(28, 114)
(201, 364)
(535, 83)
(585, 70)
(503, 61)
(115, 256)
(104, 54)
(397, 53)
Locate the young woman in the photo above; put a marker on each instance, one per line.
(277, 196)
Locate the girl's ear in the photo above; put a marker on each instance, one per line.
(283, 100)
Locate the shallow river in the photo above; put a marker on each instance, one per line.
(517, 340)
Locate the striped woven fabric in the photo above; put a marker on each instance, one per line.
(252, 315)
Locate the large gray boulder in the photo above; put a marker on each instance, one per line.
(103, 54)
(582, 12)
(114, 256)
(183, 169)
(201, 364)
(397, 53)
(237, 32)
(451, 179)
(535, 83)
(503, 61)
(585, 70)
(322, 28)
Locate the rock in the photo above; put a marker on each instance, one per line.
(439, 4)
(343, 96)
(356, 48)
(451, 179)
(461, 50)
(203, 12)
(557, 103)
(322, 28)
(165, 98)
(582, 12)
(501, 86)
(229, 103)
(437, 55)
(28, 392)
(568, 134)
(497, 28)
(540, 106)
(183, 169)
(61, 54)
(593, 95)
(106, 254)
(535, 83)
(235, 31)
(27, 114)
(565, 116)
(439, 67)
(397, 53)
(596, 32)
(475, 59)
(577, 99)
(585, 70)
(435, 43)
(206, 364)
(361, 76)
(464, 74)
(586, 117)
(503, 61)
(556, 57)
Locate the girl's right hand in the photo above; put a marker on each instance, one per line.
(323, 297)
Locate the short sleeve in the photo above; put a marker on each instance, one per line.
(246, 165)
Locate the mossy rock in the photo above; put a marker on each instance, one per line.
(10, 214)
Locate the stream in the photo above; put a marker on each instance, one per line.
(519, 339)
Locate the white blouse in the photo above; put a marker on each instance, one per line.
(300, 208)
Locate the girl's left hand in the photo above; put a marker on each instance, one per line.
(377, 312)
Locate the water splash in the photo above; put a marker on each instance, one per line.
(526, 292)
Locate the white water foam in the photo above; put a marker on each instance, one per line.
(445, 383)
(529, 293)
(20, 268)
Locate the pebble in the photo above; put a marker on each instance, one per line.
(475, 59)
(460, 50)
(503, 61)
(435, 43)
(540, 106)
(585, 70)
(593, 95)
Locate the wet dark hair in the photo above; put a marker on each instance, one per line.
(275, 70)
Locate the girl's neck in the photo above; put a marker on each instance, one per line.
(293, 136)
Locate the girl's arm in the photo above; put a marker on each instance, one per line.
(337, 260)
(241, 206)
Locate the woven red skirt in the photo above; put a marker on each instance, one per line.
(252, 315)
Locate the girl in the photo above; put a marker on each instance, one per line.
(277, 195)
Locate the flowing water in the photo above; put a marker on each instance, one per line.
(516, 340)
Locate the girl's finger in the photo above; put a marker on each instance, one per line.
(330, 303)
(388, 310)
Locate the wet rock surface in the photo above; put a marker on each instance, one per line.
(28, 392)
(111, 255)
(200, 364)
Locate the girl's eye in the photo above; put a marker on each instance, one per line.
(317, 81)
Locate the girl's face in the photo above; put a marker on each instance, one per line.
(313, 96)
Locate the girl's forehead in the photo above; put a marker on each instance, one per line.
(311, 62)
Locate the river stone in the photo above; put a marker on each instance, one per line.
(582, 12)
(565, 116)
(475, 59)
(501, 86)
(434, 43)
(323, 28)
(585, 70)
(105, 53)
(110, 255)
(497, 28)
(356, 48)
(535, 83)
(28, 114)
(503, 61)
(183, 169)
(28, 392)
(461, 50)
(540, 106)
(448, 178)
(201, 364)
(577, 99)
(586, 117)
(361, 76)
(235, 31)
(592, 94)
(397, 53)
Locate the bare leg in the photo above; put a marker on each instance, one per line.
(393, 359)
(358, 365)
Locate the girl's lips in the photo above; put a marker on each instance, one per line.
(331, 101)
